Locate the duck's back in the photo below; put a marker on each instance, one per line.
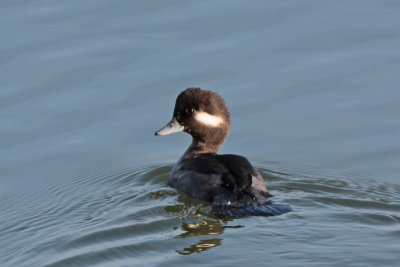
(229, 182)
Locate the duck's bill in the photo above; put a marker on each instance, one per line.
(172, 127)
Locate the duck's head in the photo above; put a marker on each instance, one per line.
(204, 115)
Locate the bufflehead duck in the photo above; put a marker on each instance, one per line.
(228, 181)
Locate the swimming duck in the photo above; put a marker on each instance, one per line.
(227, 181)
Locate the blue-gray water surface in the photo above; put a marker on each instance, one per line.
(313, 91)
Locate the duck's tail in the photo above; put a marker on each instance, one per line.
(268, 209)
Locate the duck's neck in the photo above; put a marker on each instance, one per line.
(198, 147)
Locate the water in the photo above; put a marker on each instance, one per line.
(313, 92)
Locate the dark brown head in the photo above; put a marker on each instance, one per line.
(204, 115)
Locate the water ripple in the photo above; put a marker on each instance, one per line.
(132, 213)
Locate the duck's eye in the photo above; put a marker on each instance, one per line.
(189, 110)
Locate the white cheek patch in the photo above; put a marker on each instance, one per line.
(208, 119)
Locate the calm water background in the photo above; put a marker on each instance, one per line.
(313, 90)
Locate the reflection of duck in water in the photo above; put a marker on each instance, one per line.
(203, 226)
(229, 182)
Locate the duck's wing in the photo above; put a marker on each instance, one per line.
(240, 173)
(246, 178)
